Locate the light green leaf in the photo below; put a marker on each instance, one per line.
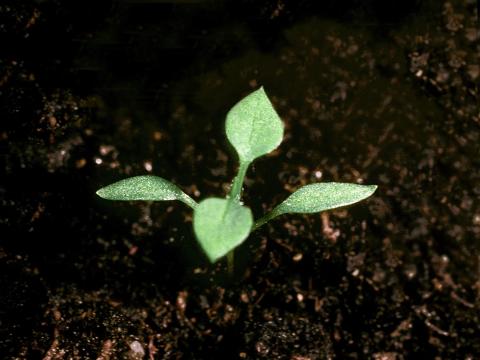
(147, 187)
(253, 126)
(221, 225)
(324, 196)
(319, 197)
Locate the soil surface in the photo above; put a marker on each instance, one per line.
(370, 92)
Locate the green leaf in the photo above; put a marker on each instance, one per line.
(253, 126)
(147, 187)
(324, 196)
(319, 197)
(221, 225)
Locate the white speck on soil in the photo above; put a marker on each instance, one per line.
(137, 351)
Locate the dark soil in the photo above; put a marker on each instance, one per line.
(377, 92)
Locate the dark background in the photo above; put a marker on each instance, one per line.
(370, 91)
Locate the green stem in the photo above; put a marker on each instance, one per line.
(235, 195)
(189, 201)
(263, 220)
(236, 190)
(231, 262)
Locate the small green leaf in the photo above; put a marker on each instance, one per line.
(221, 225)
(324, 196)
(147, 187)
(253, 126)
(319, 197)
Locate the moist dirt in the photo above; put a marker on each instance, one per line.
(92, 92)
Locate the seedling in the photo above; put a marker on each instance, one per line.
(221, 224)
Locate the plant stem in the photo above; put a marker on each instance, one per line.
(231, 262)
(236, 190)
(189, 201)
(235, 195)
(263, 220)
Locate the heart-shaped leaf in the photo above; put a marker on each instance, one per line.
(147, 187)
(324, 196)
(253, 126)
(221, 225)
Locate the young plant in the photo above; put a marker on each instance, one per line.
(221, 224)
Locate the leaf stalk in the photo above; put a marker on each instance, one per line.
(187, 200)
(236, 190)
(263, 220)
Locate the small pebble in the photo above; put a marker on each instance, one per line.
(136, 350)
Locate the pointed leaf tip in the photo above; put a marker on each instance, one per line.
(253, 126)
